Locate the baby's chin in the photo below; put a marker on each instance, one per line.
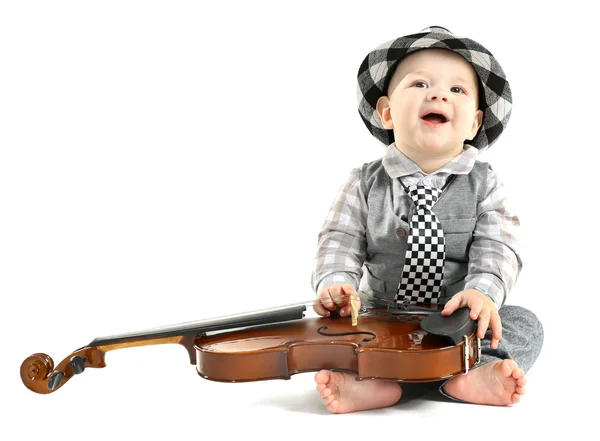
(437, 146)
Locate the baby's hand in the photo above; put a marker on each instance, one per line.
(482, 309)
(333, 297)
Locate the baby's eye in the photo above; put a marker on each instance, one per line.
(457, 89)
(421, 84)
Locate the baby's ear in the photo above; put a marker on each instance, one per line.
(384, 112)
(477, 121)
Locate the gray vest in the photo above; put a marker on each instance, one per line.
(387, 232)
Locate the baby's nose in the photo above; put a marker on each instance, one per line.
(437, 95)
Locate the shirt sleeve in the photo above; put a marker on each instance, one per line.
(494, 260)
(342, 246)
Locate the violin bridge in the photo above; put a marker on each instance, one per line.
(354, 308)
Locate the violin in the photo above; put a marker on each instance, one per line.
(403, 343)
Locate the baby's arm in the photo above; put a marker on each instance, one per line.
(494, 262)
(341, 249)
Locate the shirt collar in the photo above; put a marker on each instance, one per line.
(398, 165)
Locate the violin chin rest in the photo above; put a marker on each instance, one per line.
(453, 327)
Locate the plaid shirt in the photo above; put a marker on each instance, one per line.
(494, 262)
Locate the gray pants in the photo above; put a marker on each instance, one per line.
(522, 339)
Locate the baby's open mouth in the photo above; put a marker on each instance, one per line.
(437, 118)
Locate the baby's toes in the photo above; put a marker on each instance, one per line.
(515, 398)
(521, 381)
(509, 368)
(332, 404)
(328, 399)
(518, 373)
(520, 390)
(325, 392)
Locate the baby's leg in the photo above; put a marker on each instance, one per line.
(501, 380)
(342, 393)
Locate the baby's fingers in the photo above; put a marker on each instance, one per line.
(341, 293)
(496, 327)
(348, 296)
(482, 324)
(476, 307)
(452, 305)
(327, 298)
(324, 303)
(320, 309)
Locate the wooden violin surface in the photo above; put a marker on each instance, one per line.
(281, 343)
(382, 346)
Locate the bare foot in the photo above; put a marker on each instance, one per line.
(341, 393)
(499, 383)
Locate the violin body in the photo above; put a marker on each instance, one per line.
(280, 343)
(383, 346)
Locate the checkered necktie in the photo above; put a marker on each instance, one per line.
(424, 262)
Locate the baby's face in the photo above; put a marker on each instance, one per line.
(432, 103)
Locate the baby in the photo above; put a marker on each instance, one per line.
(435, 100)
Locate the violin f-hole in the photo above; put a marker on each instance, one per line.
(343, 334)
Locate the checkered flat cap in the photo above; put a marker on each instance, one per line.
(378, 66)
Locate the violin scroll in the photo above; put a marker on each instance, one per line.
(36, 370)
(39, 375)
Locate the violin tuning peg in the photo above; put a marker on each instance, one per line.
(55, 380)
(77, 364)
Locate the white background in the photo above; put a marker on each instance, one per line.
(163, 162)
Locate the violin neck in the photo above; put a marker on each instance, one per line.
(202, 327)
(39, 374)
